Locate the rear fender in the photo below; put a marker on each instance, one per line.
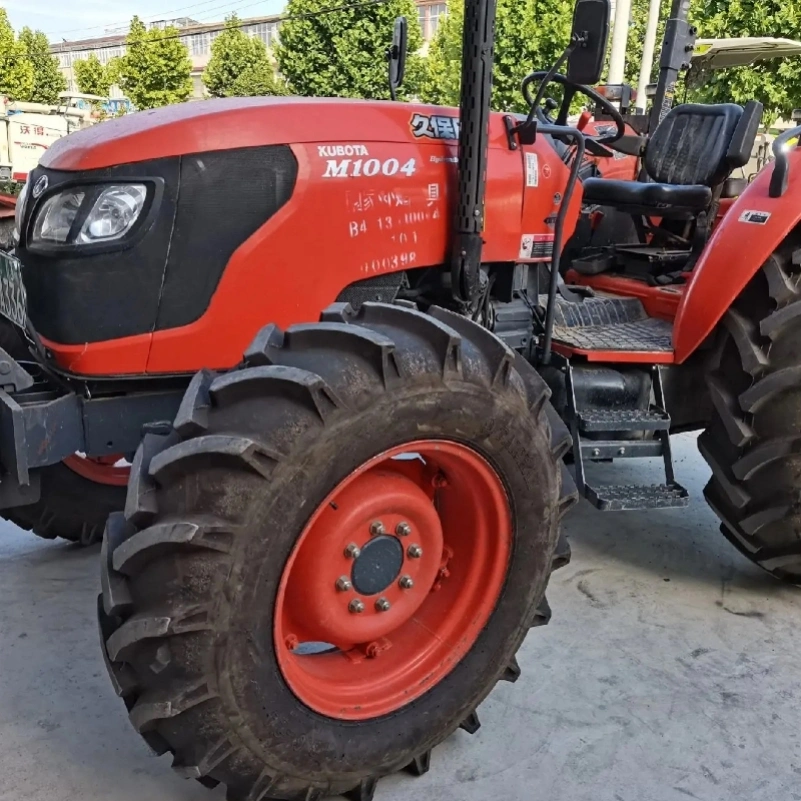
(738, 248)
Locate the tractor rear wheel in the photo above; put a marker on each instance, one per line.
(753, 442)
(77, 495)
(335, 554)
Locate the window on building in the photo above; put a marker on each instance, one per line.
(199, 44)
(429, 16)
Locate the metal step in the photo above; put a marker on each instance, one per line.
(628, 497)
(653, 419)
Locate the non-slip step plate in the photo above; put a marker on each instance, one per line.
(628, 497)
(652, 419)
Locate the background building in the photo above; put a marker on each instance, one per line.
(198, 38)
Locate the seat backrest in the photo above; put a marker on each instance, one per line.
(691, 144)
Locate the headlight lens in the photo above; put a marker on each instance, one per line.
(111, 211)
(55, 218)
(113, 214)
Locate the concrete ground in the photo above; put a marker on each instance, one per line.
(670, 671)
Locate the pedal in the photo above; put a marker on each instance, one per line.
(627, 497)
(653, 419)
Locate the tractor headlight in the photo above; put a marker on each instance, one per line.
(113, 214)
(88, 215)
(56, 217)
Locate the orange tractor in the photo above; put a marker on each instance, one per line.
(350, 377)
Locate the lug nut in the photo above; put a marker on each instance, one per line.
(403, 529)
(406, 582)
(382, 605)
(415, 551)
(343, 584)
(356, 607)
(352, 551)
(377, 527)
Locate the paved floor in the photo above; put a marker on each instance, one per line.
(670, 671)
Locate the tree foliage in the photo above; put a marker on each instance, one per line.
(776, 83)
(529, 35)
(155, 70)
(48, 80)
(636, 39)
(16, 69)
(342, 53)
(240, 65)
(92, 77)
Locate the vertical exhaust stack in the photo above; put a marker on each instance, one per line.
(478, 41)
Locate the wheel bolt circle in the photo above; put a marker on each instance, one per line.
(414, 551)
(352, 551)
(383, 605)
(343, 584)
(403, 529)
(406, 582)
(356, 606)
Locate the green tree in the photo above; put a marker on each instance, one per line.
(48, 79)
(341, 53)
(92, 77)
(240, 65)
(637, 25)
(16, 70)
(775, 83)
(529, 35)
(156, 69)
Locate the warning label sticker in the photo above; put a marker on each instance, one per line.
(532, 170)
(536, 246)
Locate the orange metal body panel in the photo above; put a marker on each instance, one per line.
(614, 356)
(341, 224)
(736, 250)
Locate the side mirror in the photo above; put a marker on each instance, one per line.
(796, 115)
(396, 56)
(589, 39)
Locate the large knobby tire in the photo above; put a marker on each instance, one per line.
(70, 506)
(753, 442)
(194, 574)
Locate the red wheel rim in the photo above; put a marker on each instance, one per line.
(100, 469)
(356, 664)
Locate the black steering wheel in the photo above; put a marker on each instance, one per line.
(571, 90)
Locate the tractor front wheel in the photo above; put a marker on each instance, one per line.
(753, 442)
(336, 553)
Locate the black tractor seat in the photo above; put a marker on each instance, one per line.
(646, 198)
(692, 152)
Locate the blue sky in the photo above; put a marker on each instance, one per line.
(80, 19)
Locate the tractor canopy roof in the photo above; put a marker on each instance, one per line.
(718, 54)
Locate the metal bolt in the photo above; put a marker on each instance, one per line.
(382, 605)
(621, 452)
(352, 551)
(406, 582)
(415, 551)
(403, 529)
(377, 527)
(596, 452)
(356, 607)
(343, 584)
(291, 642)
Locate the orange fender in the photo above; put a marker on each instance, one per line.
(754, 226)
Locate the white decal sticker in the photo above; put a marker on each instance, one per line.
(433, 191)
(755, 217)
(532, 170)
(536, 246)
(355, 168)
(327, 151)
